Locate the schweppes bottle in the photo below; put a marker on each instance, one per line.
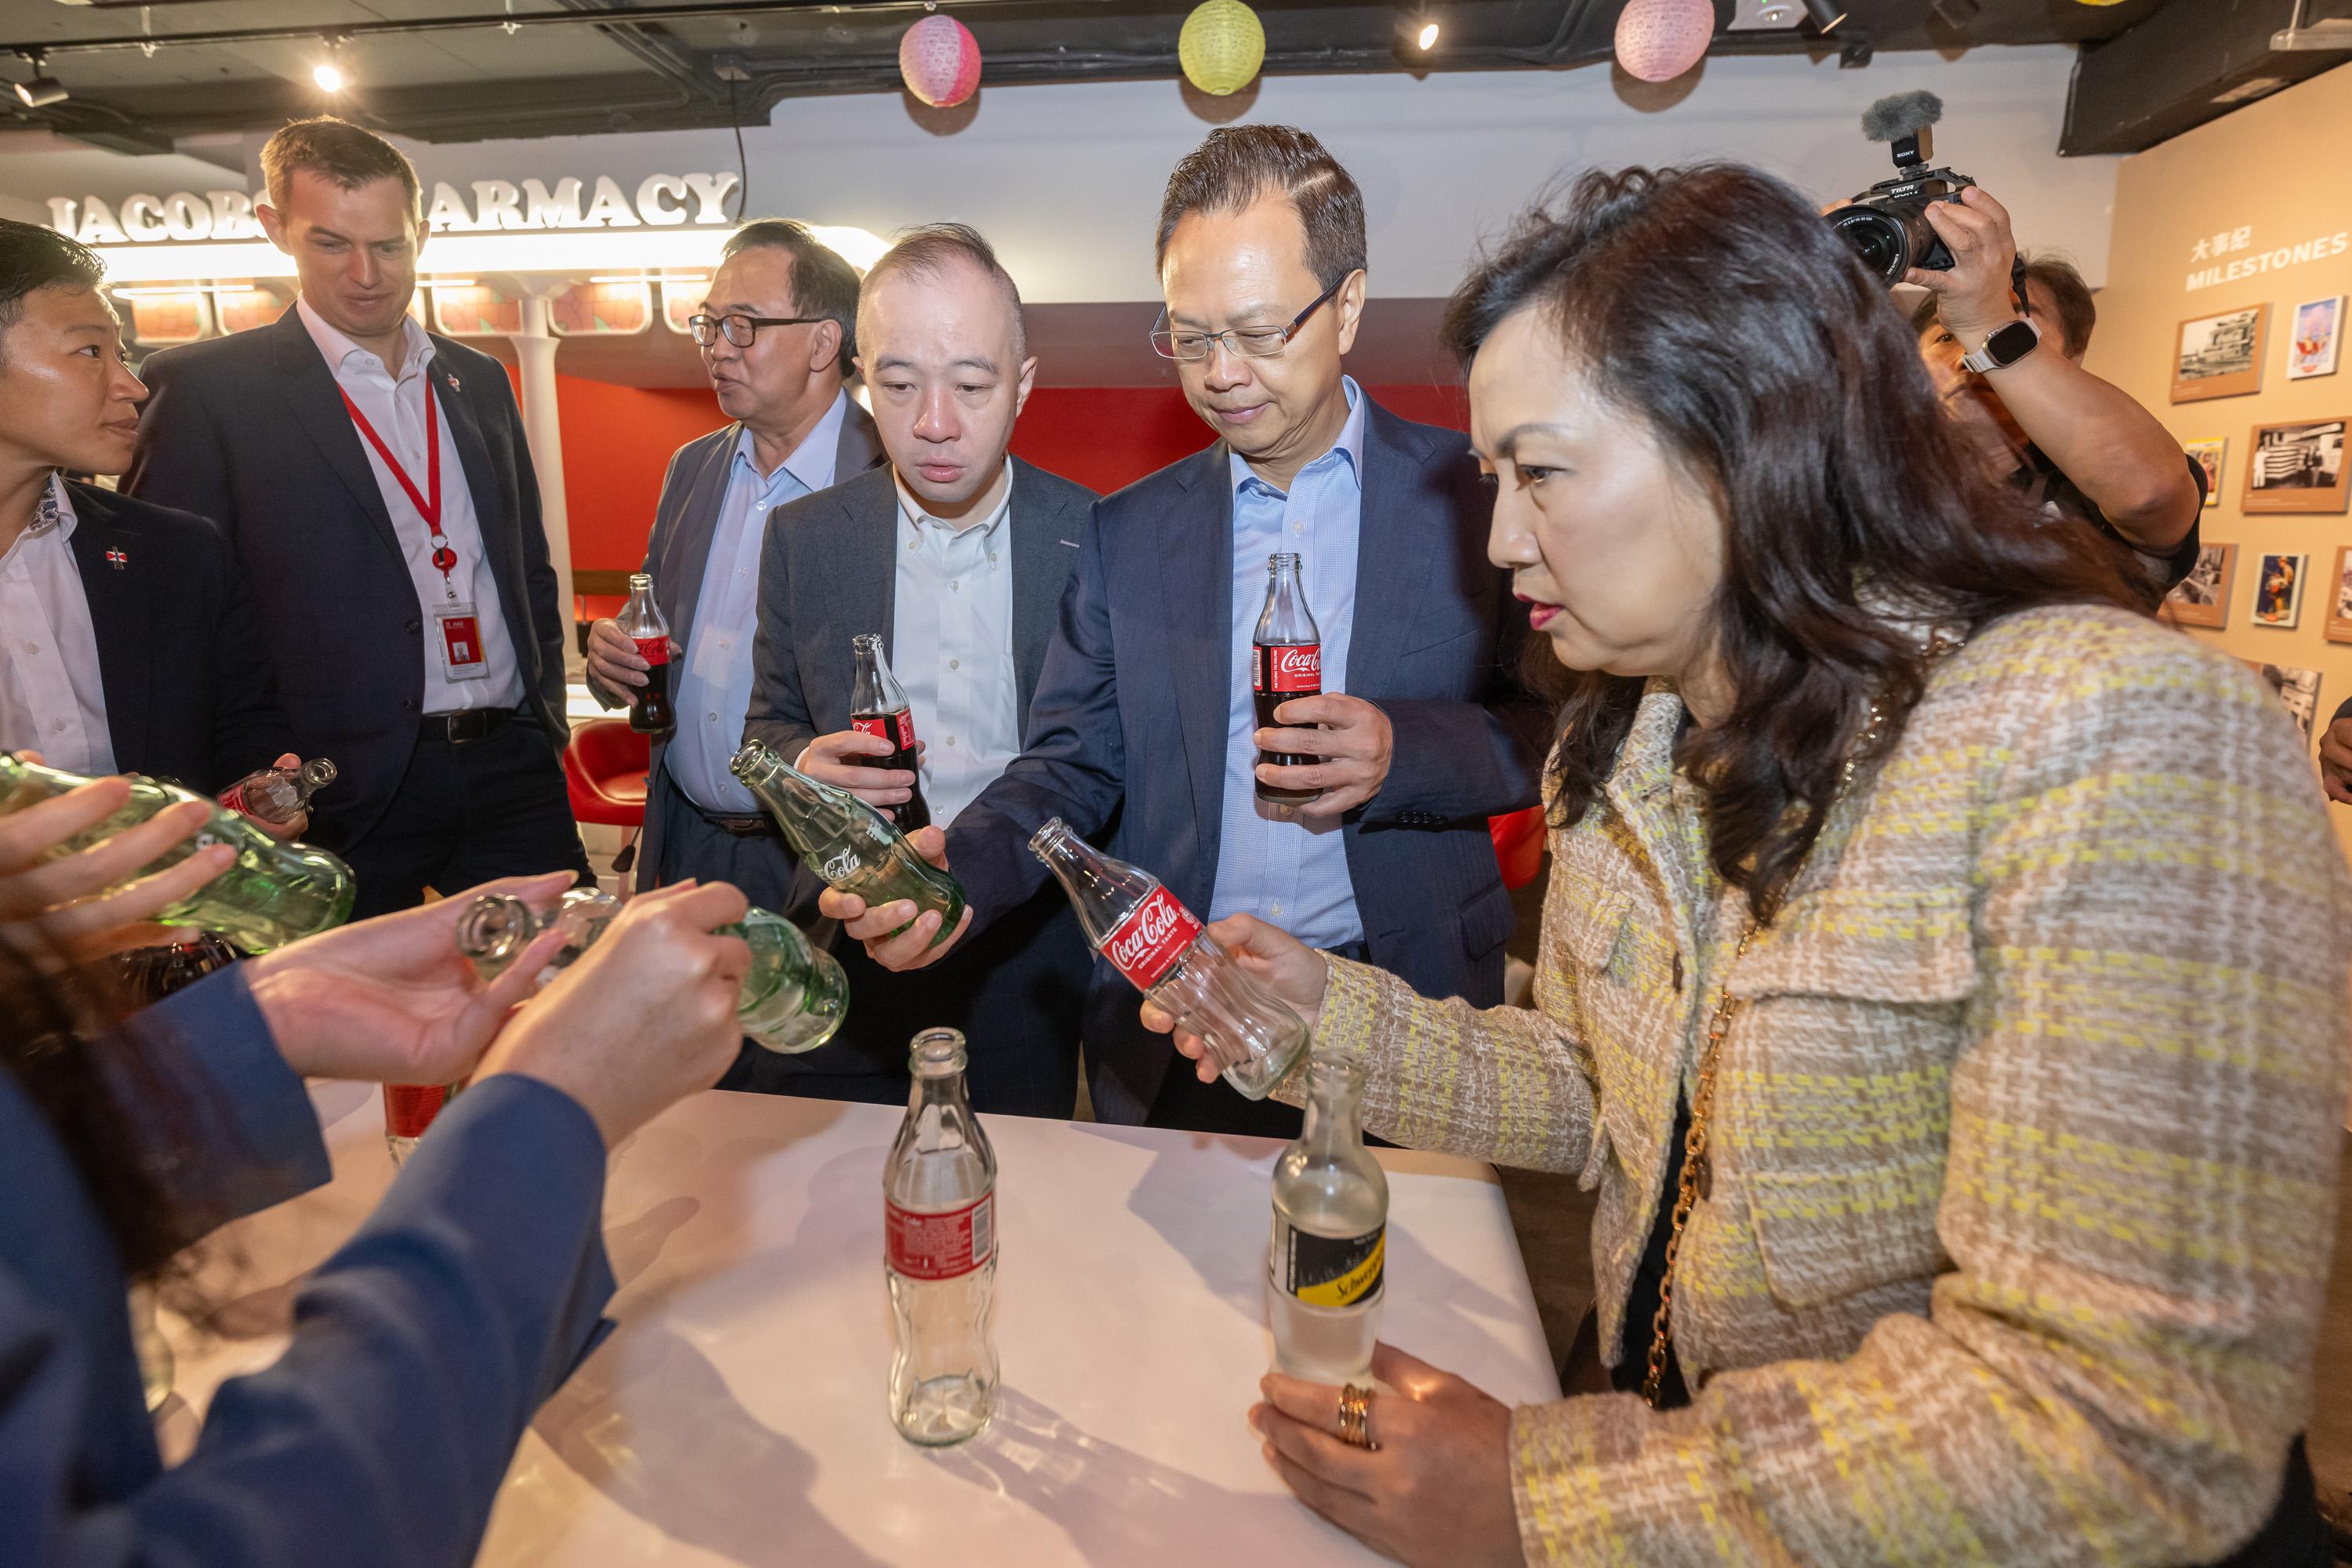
(1325, 1267)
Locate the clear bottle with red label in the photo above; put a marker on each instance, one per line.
(878, 706)
(278, 795)
(1287, 661)
(938, 1231)
(1159, 946)
(641, 622)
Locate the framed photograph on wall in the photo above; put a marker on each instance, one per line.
(2297, 468)
(2220, 356)
(2209, 455)
(2296, 689)
(2278, 591)
(2339, 597)
(2317, 330)
(2202, 598)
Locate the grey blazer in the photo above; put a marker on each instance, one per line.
(828, 574)
(677, 551)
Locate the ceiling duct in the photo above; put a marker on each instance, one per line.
(2196, 60)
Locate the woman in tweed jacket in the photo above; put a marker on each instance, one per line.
(2016, 915)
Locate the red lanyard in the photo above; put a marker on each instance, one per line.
(428, 507)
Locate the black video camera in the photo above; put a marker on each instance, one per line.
(1887, 224)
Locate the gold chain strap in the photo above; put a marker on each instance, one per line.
(1698, 1173)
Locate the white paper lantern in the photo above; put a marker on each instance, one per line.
(939, 60)
(1658, 40)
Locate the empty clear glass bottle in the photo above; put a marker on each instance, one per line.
(939, 1228)
(847, 841)
(278, 795)
(273, 894)
(1325, 1267)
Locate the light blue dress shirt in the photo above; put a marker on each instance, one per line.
(1271, 862)
(714, 691)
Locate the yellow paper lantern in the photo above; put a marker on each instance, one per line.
(1222, 46)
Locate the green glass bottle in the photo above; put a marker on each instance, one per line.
(792, 999)
(275, 893)
(846, 841)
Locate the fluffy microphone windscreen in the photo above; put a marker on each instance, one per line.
(1900, 115)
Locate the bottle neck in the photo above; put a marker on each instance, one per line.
(1334, 1108)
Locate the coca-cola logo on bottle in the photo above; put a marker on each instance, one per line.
(1148, 943)
(844, 864)
(1291, 667)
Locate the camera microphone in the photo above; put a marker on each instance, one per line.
(1887, 225)
(1901, 114)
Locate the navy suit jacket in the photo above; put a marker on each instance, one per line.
(251, 431)
(190, 694)
(1128, 726)
(421, 1348)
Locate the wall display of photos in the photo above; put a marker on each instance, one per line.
(2315, 334)
(2202, 598)
(2210, 456)
(2220, 356)
(2278, 589)
(2339, 596)
(2297, 467)
(2296, 689)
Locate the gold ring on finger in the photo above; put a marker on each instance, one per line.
(1355, 1418)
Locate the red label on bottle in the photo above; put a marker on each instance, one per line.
(879, 726)
(409, 1107)
(232, 797)
(1146, 944)
(653, 651)
(1290, 666)
(948, 1246)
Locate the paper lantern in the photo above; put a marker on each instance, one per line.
(1658, 40)
(940, 60)
(1222, 46)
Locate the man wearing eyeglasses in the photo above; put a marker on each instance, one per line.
(1143, 721)
(776, 335)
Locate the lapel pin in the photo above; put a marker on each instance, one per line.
(453, 382)
(117, 559)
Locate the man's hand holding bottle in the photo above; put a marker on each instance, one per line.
(837, 759)
(896, 935)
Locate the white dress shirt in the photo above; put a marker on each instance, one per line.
(51, 697)
(714, 691)
(951, 648)
(394, 404)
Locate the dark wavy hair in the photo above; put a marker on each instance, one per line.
(1712, 303)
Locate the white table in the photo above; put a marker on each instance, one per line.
(737, 1415)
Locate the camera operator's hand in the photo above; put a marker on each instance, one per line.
(1973, 298)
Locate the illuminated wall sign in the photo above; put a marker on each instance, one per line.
(662, 201)
(2261, 259)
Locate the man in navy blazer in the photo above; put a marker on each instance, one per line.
(132, 644)
(1143, 724)
(375, 482)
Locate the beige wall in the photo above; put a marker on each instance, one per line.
(2283, 168)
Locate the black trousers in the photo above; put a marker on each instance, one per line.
(1015, 991)
(465, 814)
(1185, 1103)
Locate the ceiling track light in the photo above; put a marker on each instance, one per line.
(1826, 15)
(1418, 30)
(327, 73)
(42, 89)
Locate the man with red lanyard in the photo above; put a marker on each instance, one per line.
(376, 484)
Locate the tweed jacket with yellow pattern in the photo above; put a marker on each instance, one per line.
(2025, 1130)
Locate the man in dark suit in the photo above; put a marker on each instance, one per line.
(777, 337)
(131, 644)
(1144, 720)
(374, 480)
(955, 556)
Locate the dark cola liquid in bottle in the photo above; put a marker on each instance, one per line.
(641, 622)
(1287, 662)
(878, 706)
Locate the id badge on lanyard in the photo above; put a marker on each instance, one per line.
(461, 640)
(461, 629)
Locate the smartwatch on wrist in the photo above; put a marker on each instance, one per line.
(2005, 347)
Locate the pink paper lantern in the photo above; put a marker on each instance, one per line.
(1658, 40)
(940, 60)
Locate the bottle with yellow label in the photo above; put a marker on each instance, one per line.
(1325, 1267)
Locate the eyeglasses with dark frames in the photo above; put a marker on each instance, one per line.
(741, 329)
(1258, 343)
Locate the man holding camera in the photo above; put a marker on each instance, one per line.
(2077, 445)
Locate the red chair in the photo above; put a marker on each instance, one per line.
(604, 772)
(1518, 845)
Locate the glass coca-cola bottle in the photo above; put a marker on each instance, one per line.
(273, 893)
(1154, 940)
(408, 1109)
(938, 1231)
(847, 841)
(1287, 662)
(278, 795)
(641, 622)
(793, 998)
(878, 706)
